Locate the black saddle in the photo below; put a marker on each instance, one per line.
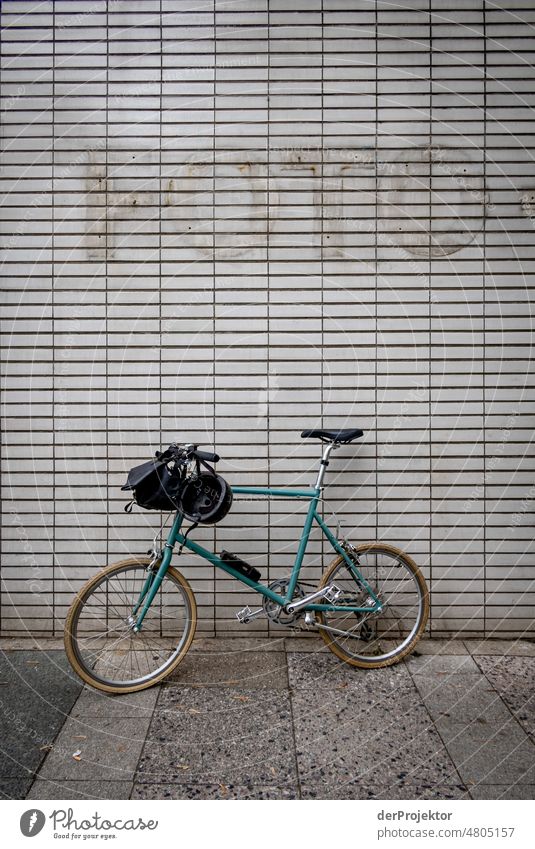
(334, 435)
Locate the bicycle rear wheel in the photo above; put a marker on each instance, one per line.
(100, 643)
(371, 640)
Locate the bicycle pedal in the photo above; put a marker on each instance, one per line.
(332, 593)
(246, 614)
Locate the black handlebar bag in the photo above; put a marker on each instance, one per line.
(154, 486)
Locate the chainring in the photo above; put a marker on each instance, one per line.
(274, 611)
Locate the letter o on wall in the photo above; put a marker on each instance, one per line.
(431, 200)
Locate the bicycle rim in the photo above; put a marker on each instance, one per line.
(376, 639)
(100, 642)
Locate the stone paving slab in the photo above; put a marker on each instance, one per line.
(486, 754)
(486, 744)
(80, 789)
(166, 758)
(236, 645)
(340, 739)
(511, 648)
(441, 665)
(325, 671)
(211, 791)
(514, 679)
(312, 643)
(15, 788)
(426, 646)
(410, 756)
(232, 669)
(93, 703)
(109, 747)
(466, 696)
(500, 791)
(239, 737)
(370, 691)
(37, 691)
(29, 643)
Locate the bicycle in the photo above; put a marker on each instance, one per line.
(132, 624)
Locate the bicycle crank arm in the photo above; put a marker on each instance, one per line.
(331, 593)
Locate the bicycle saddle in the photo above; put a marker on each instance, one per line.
(334, 435)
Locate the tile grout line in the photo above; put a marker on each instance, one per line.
(37, 771)
(434, 725)
(292, 721)
(509, 710)
(142, 751)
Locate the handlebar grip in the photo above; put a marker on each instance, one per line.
(206, 455)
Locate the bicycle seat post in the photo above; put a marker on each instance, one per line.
(324, 462)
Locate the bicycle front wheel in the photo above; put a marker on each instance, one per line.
(99, 641)
(370, 640)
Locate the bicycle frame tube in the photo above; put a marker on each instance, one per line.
(284, 493)
(153, 582)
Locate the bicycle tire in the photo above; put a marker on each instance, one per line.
(86, 670)
(377, 660)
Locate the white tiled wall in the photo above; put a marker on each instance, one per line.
(228, 221)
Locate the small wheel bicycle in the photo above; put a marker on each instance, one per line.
(132, 623)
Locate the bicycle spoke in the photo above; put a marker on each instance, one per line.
(107, 605)
(106, 649)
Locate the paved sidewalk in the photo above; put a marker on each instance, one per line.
(277, 719)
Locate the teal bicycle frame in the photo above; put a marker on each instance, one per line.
(154, 579)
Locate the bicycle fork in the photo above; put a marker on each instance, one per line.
(151, 586)
(154, 578)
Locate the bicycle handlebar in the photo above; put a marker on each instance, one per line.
(188, 452)
(207, 455)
